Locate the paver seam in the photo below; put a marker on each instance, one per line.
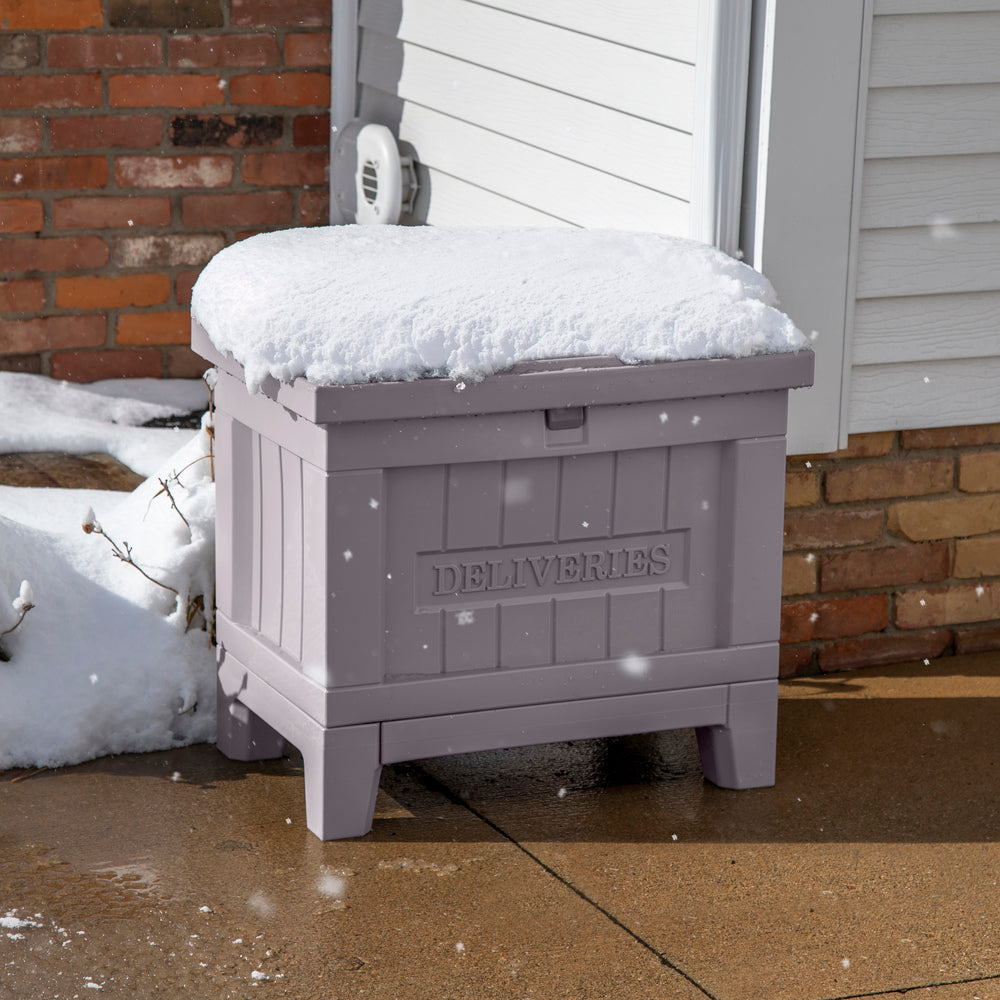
(435, 785)
(902, 990)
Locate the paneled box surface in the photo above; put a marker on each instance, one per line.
(575, 549)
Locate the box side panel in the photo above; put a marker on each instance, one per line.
(234, 517)
(752, 542)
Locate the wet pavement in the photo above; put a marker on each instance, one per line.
(593, 869)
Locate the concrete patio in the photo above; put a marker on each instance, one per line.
(600, 869)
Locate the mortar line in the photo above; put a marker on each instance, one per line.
(434, 785)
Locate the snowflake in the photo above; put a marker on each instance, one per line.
(373, 503)
(663, 417)
(348, 555)
(465, 617)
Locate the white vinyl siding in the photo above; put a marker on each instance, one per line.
(926, 347)
(572, 112)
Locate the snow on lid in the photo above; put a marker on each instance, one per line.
(351, 304)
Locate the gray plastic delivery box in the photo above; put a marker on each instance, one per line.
(570, 550)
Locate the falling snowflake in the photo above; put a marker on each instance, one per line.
(980, 590)
(459, 387)
(465, 617)
(663, 417)
(704, 505)
(635, 665)
(814, 617)
(373, 503)
(561, 793)
(695, 420)
(94, 678)
(811, 557)
(585, 524)
(348, 555)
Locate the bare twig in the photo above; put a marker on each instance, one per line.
(24, 610)
(173, 503)
(124, 553)
(30, 774)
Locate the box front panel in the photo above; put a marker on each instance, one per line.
(564, 559)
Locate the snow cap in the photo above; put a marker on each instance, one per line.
(348, 304)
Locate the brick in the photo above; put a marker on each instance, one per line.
(280, 13)
(154, 328)
(979, 472)
(104, 50)
(259, 208)
(953, 605)
(153, 90)
(867, 569)
(314, 208)
(165, 13)
(165, 251)
(311, 130)
(833, 618)
(106, 132)
(873, 445)
(226, 130)
(951, 437)
(76, 90)
(20, 135)
(880, 480)
(110, 212)
(182, 362)
(29, 364)
(794, 661)
(223, 51)
(61, 253)
(977, 640)
(183, 284)
(291, 169)
(53, 172)
(107, 292)
(798, 574)
(801, 488)
(21, 215)
(307, 49)
(947, 517)
(877, 651)
(277, 89)
(45, 333)
(173, 171)
(89, 366)
(977, 557)
(19, 51)
(24, 295)
(51, 15)
(832, 528)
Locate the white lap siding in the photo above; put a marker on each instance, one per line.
(926, 348)
(568, 112)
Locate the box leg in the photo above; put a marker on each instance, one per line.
(342, 770)
(242, 735)
(741, 754)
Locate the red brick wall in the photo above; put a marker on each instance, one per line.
(137, 138)
(892, 550)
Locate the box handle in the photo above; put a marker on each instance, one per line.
(565, 418)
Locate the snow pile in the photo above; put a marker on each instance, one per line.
(104, 660)
(358, 303)
(39, 414)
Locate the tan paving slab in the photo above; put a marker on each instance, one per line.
(871, 867)
(184, 874)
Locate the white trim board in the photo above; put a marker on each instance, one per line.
(804, 175)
